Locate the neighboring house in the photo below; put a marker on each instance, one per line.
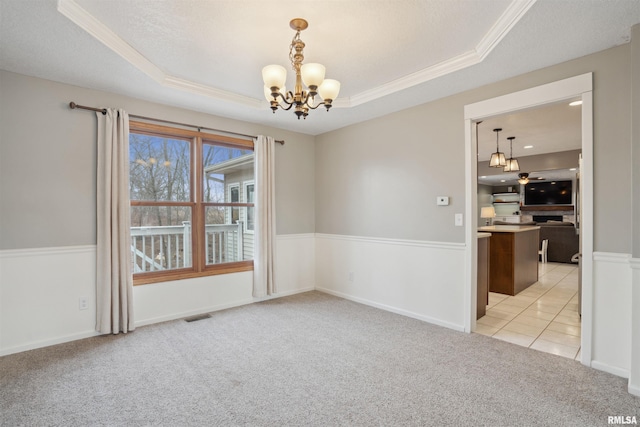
(237, 179)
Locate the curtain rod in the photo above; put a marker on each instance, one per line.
(73, 106)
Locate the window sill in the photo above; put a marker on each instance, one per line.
(167, 276)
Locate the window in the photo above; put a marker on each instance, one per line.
(248, 194)
(189, 204)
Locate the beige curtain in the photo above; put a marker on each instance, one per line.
(265, 222)
(114, 284)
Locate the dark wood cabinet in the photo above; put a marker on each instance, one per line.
(483, 274)
(513, 258)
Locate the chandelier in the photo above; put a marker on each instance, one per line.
(312, 75)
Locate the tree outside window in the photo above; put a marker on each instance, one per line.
(187, 219)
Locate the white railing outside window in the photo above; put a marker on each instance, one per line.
(159, 248)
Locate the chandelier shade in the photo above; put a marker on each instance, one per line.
(312, 74)
(274, 76)
(329, 89)
(497, 159)
(302, 98)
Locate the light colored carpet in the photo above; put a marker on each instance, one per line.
(304, 360)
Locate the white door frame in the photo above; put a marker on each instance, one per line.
(578, 86)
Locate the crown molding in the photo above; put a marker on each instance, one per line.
(104, 35)
(509, 18)
(503, 25)
(443, 68)
(498, 31)
(212, 92)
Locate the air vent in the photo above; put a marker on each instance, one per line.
(198, 317)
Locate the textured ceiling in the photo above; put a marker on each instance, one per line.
(543, 130)
(388, 55)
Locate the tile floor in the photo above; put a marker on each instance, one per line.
(543, 317)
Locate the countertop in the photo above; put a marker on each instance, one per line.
(482, 235)
(508, 228)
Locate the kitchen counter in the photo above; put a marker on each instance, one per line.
(508, 228)
(513, 257)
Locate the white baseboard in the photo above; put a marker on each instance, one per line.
(46, 343)
(218, 307)
(634, 390)
(189, 313)
(395, 310)
(610, 369)
(285, 294)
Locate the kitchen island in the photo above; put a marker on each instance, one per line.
(513, 257)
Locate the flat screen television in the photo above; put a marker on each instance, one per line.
(548, 193)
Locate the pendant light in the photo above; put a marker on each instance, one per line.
(512, 164)
(497, 159)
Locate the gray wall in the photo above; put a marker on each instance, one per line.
(380, 178)
(48, 162)
(635, 158)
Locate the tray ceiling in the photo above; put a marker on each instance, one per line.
(388, 55)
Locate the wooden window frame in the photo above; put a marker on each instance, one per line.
(197, 139)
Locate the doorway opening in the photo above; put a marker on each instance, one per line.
(556, 93)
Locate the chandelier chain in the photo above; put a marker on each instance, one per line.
(295, 41)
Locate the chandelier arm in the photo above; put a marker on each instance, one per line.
(284, 99)
(312, 107)
(287, 108)
(322, 102)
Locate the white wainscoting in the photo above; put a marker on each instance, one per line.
(39, 296)
(295, 263)
(634, 372)
(40, 291)
(611, 345)
(164, 301)
(418, 279)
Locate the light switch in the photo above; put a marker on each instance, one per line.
(442, 201)
(458, 218)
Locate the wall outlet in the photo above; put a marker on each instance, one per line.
(83, 303)
(458, 220)
(351, 276)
